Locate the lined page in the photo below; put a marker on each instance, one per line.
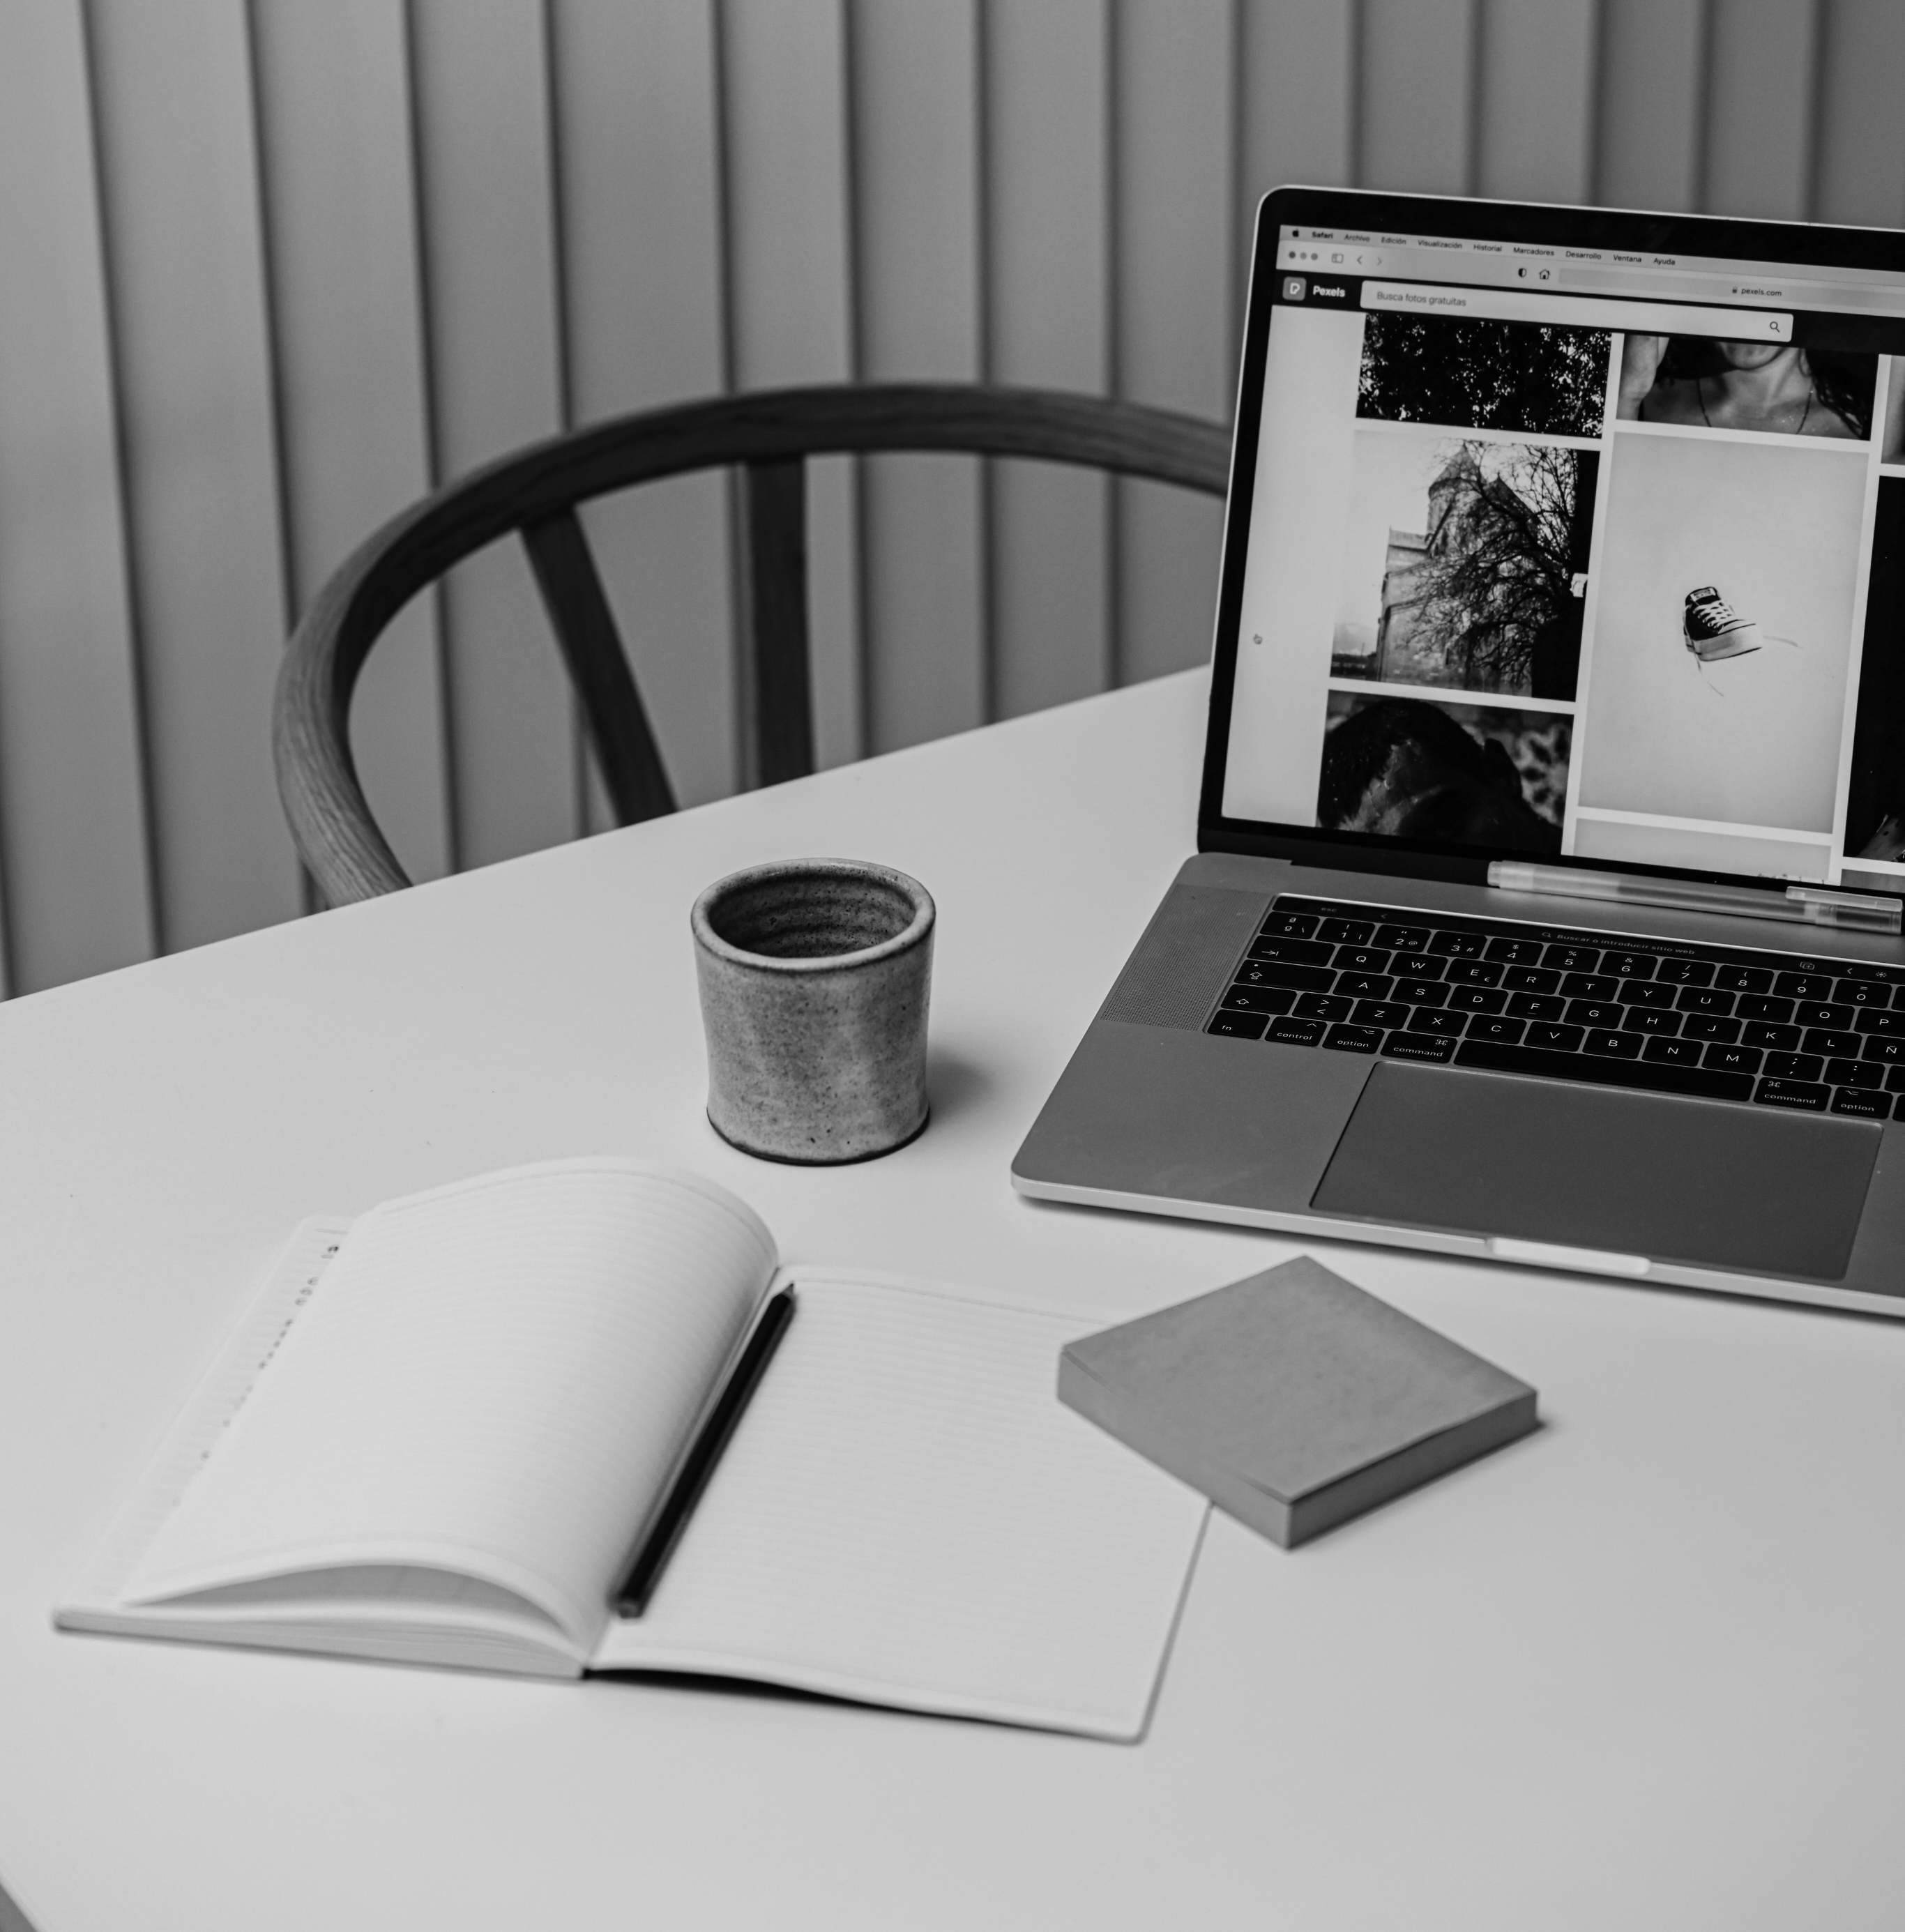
(906, 1514)
(494, 1378)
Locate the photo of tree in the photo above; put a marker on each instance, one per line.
(1465, 564)
(1535, 379)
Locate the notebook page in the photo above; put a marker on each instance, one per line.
(908, 1514)
(494, 1378)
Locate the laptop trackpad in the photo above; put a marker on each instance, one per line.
(1697, 1181)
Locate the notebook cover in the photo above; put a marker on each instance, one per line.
(1293, 1400)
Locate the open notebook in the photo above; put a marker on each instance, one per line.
(438, 1432)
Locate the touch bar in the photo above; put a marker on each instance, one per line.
(1704, 1083)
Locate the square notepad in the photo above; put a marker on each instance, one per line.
(1292, 1399)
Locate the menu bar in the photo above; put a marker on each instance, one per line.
(1598, 271)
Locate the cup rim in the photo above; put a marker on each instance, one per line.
(700, 920)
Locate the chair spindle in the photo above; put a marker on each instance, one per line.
(777, 693)
(631, 762)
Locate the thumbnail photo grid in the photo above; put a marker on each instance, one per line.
(1725, 568)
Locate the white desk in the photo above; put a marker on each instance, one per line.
(1646, 1669)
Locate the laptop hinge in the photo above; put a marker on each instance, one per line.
(1808, 905)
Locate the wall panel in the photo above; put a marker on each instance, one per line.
(1415, 119)
(1860, 157)
(184, 233)
(1535, 98)
(1762, 59)
(1651, 122)
(1046, 171)
(1174, 163)
(485, 154)
(914, 76)
(789, 251)
(335, 105)
(73, 847)
(638, 145)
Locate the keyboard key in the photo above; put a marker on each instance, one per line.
(1417, 1046)
(1295, 1033)
(1594, 1013)
(1531, 980)
(1861, 1103)
(1861, 993)
(1612, 1045)
(1895, 1080)
(1699, 1026)
(1353, 1039)
(1793, 1066)
(1291, 951)
(1599, 1070)
(1638, 993)
(1537, 1005)
(1363, 985)
(1403, 938)
(1805, 1095)
(1346, 931)
(1380, 1013)
(1259, 1000)
(1239, 1026)
(1704, 999)
(1684, 973)
(1882, 1026)
(1476, 999)
(1885, 1052)
(1803, 986)
(1459, 945)
(1571, 958)
(1473, 973)
(1323, 1006)
(1757, 1007)
(1590, 986)
(1417, 965)
(1360, 959)
(1515, 952)
(1651, 1020)
(1824, 1040)
(1290, 925)
(1761, 1033)
(1732, 1059)
(1446, 1026)
(1673, 1052)
(1823, 1013)
(1304, 979)
(1628, 965)
(1420, 992)
(1742, 979)
(1484, 1026)
(1854, 1073)
(1555, 1039)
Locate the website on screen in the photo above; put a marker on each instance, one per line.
(1577, 552)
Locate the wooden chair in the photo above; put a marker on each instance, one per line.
(768, 434)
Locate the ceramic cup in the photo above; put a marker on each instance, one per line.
(814, 976)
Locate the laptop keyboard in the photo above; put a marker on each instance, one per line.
(1768, 1029)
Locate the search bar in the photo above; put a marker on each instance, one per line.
(1730, 325)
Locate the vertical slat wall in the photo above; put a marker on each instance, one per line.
(269, 269)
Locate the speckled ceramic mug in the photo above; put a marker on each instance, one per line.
(815, 976)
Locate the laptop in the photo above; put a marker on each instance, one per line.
(1551, 844)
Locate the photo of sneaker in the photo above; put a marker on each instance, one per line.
(1713, 629)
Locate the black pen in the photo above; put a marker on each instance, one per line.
(645, 1567)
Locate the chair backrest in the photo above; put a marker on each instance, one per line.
(768, 435)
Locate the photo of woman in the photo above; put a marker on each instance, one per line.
(1778, 389)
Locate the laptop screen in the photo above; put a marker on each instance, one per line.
(1557, 536)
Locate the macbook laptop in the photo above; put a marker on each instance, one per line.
(1552, 837)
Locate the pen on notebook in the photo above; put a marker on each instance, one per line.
(644, 1571)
